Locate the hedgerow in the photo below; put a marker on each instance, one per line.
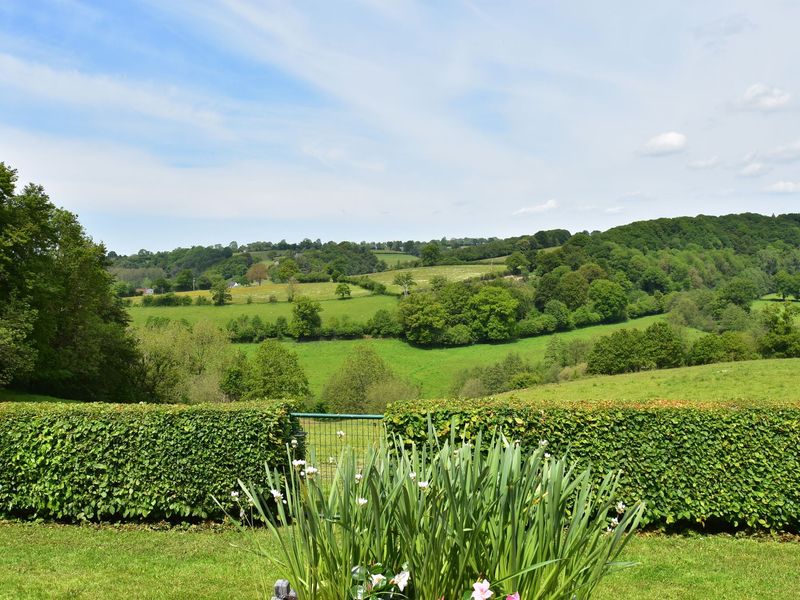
(717, 465)
(133, 462)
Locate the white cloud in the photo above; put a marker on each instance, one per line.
(760, 96)
(614, 210)
(704, 163)
(539, 208)
(665, 143)
(754, 169)
(101, 92)
(785, 153)
(784, 187)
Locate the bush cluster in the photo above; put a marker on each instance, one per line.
(722, 465)
(97, 462)
(168, 299)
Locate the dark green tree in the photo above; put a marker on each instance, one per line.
(608, 299)
(343, 291)
(422, 318)
(306, 321)
(430, 254)
(492, 313)
(62, 329)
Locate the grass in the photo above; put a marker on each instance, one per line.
(261, 293)
(393, 258)
(360, 308)
(423, 275)
(70, 561)
(775, 381)
(15, 396)
(435, 368)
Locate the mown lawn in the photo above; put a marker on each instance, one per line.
(434, 368)
(63, 561)
(773, 381)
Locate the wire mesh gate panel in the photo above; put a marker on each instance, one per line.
(325, 435)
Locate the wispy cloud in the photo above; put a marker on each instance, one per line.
(104, 92)
(670, 142)
(765, 98)
(704, 163)
(784, 187)
(785, 153)
(754, 169)
(551, 204)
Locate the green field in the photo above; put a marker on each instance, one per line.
(773, 381)
(423, 275)
(359, 309)
(261, 293)
(434, 368)
(69, 561)
(393, 258)
(495, 260)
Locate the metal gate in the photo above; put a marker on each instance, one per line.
(325, 435)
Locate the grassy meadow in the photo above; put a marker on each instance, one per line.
(360, 308)
(423, 275)
(393, 258)
(261, 293)
(432, 368)
(766, 382)
(71, 561)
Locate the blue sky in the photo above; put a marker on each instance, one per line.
(174, 123)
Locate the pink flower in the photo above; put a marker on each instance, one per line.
(481, 590)
(514, 596)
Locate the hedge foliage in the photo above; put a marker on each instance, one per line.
(717, 465)
(133, 462)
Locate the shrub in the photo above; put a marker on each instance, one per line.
(347, 389)
(538, 325)
(133, 462)
(583, 316)
(430, 521)
(384, 324)
(168, 299)
(559, 311)
(202, 301)
(457, 335)
(274, 372)
(729, 464)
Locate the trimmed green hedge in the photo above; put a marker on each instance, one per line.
(720, 465)
(133, 462)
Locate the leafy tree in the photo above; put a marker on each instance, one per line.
(287, 269)
(608, 300)
(347, 389)
(384, 324)
(430, 254)
(572, 289)
(517, 263)
(782, 338)
(184, 280)
(423, 319)
(405, 280)
(343, 291)
(306, 321)
(559, 311)
(220, 293)
(257, 272)
(740, 290)
(663, 346)
(181, 363)
(62, 329)
(274, 372)
(654, 279)
(161, 285)
(438, 283)
(620, 352)
(492, 313)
